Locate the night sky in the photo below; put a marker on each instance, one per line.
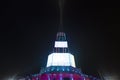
(28, 30)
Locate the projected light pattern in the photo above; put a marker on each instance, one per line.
(61, 44)
(61, 59)
(61, 69)
(61, 76)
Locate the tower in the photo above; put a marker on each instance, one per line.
(61, 63)
(61, 56)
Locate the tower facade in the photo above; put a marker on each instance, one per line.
(61, 63)
(61, 55)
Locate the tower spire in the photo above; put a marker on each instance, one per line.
(61, 6)
(61, 45)
(61, 55)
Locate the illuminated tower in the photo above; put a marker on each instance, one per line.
(61, 55)
(61, 63)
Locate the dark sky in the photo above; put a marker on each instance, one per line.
(28, 29)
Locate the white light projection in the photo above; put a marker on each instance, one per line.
(61, 59)
(60, 44)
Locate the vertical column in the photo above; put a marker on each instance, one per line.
(61, 76)
(48, 77)
(71, 76)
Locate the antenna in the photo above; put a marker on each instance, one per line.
(61, 6)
